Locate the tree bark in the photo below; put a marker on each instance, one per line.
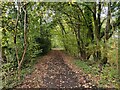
(25, 41)
(97, 24)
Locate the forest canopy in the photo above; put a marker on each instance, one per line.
(86, 30)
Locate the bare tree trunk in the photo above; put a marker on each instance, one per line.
(63, 33)
(108, 23)
(105, 59)
(25, 41)
(99, 19)
(97, 23)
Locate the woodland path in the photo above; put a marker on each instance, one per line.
(55, 71)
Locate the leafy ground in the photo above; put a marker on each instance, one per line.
(55, 70)
(107, 78)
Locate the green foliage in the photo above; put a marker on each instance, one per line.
(86, 67)
(10, 77)
(83, 65)
(75, 28)
(108, 77)
(45, 44)
(34, 49)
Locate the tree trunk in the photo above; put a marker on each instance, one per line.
(97, 23)
(63, 33)
(25, 41)
(107, 33)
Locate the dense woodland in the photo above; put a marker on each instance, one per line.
(87, 31)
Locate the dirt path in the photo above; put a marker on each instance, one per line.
(53, 71)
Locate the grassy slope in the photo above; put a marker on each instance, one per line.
(108, 77)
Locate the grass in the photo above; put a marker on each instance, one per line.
(86, 68)
(108, 77)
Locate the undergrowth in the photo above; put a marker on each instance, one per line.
(10, 79)
(108, 76)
